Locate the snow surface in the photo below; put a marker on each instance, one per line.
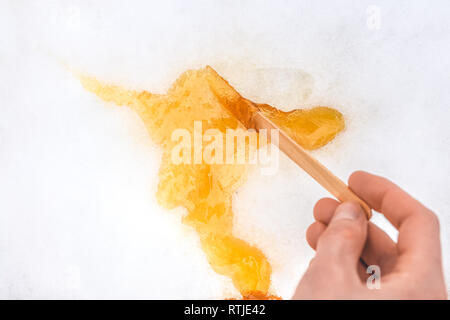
(78, 215)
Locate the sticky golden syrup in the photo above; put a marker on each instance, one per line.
(206, 190)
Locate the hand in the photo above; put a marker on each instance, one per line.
(345, 243)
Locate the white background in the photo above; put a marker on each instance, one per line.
(78, 215)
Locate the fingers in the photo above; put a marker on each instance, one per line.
(324, 209)
(341, 243)
(373, 252)
(314, 232)
(418, 227)
(387, 198)
(379, 248)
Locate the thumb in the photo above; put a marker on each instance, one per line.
(342, 243)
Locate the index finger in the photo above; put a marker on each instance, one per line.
(418, 227)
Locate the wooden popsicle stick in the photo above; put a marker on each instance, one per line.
(313, 167)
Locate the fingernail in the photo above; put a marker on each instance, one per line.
(347, 210)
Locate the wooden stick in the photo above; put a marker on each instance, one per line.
(313, 167)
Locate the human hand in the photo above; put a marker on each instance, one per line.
(345, 243)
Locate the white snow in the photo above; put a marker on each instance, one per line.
(78, 214)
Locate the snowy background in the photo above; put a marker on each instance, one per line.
(78, 215)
